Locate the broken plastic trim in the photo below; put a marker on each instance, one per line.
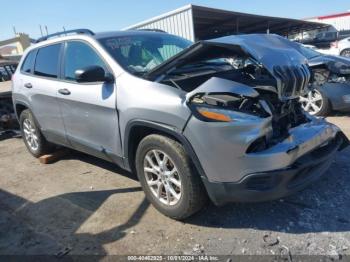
(225, 95)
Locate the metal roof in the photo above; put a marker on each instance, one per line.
(211, 22)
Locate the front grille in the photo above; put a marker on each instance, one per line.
(294, 79)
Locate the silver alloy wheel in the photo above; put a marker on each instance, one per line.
(30, 134)
(162, 177)
(312, 102)
(346, 53)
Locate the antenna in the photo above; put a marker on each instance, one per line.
(64, 29)
(47, 32)
(41, 31)
(14, 30)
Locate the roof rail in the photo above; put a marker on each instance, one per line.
(77, 31)
(151, 30)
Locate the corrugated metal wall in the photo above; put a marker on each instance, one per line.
(178, 23)
(339, 23)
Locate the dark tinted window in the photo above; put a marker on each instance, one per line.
(46, 63)
(79, 55)
(28, 62)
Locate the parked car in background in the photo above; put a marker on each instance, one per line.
(339, 47)
(331, 43)
(218, 118)
(329, 87)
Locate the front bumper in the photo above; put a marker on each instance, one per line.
(275, 184)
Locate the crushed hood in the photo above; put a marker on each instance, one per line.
(335, 64)
(274, 52)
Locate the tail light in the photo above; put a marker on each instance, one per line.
(334, 44)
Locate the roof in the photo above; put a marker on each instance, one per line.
(324, 17)
(212, 22)
(124, 33)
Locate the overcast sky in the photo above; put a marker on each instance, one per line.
(104, 15)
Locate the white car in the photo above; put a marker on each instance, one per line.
(339, 47)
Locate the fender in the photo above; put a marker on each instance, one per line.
(20, 102)
(170, 130)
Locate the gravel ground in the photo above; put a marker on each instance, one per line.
(83, 205)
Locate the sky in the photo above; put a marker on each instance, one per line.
(106, 15)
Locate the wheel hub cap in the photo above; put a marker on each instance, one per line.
(30, 134)
(312, 102)
(162, 177)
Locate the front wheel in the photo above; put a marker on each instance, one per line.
(345, 53)
(315, 103)
(168, 177)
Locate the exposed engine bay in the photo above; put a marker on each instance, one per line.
(212, 83)
(322, 75)
(260, 76)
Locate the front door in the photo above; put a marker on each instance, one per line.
(88, 109)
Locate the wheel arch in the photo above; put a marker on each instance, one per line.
(138, 129)
(342, 51)
(19, 107)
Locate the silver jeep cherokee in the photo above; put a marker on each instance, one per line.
(217, 118)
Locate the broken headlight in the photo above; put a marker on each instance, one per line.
(223, 107)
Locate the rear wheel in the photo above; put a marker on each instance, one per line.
(33, 139)
(345, 52)
(168, 177)
(316, 103)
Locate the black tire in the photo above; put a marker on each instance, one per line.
(44, 146)
(193, 195)
(326, 108)
(345, 52)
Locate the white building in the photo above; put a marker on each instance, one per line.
(340, 21)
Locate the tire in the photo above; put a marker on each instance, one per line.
(192, 193)
(323, 104)
(41, 147)
(345, 52)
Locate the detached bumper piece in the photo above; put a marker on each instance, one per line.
(275, 184)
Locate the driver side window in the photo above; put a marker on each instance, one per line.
(79, 55)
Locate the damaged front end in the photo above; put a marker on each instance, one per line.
(236, 102)
(239, 78)
(243, 92)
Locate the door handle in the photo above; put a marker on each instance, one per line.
(28, 85)
(64, 91)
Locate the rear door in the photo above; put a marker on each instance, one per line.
(88, 109)
(39, 80)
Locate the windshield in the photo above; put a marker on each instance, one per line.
(308, 52)
(138, 54)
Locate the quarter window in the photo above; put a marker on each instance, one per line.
(46, 63)
(28, 62)
(79, 55)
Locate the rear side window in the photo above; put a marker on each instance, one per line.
(46, 63)
(79, 55)
(28, 62)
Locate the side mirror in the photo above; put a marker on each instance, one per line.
(93, 74)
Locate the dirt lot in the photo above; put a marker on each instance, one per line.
(83, 205)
